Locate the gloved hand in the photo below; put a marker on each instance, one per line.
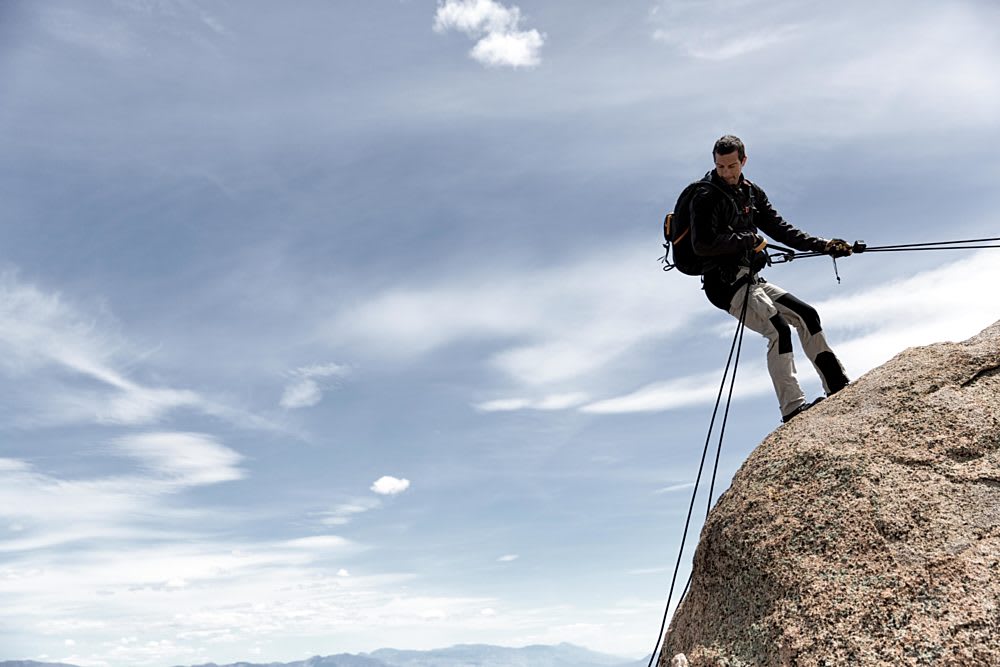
(755, 253)
(838, 248)
(754, 242)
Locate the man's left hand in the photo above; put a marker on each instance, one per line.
(838, 248)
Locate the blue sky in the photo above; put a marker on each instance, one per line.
(329, 326)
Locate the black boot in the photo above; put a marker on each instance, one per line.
(832, 371)
(799, 410)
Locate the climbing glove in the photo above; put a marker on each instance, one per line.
(838, 248)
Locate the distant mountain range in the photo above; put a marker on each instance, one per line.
(465, 655)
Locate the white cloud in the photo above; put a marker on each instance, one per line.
(675, 487)
(144, 405)
(551, 402)
(702, 30)
(48, 345)
(503, 405)
(474, 17)
(561, 401)
(683, 392)
(183, 458)
(726, 48)
(514, 49)
(343, 513)
(508, 558)
(551, 325)
(500, 41)
(306, 390)
(303, 393)
(53, 512)
(390, 486)
(319, 543)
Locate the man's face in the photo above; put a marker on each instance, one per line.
(729, 167)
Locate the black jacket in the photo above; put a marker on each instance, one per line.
(724, 224)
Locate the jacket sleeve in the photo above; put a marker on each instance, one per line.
(771, 223)
(711, 236)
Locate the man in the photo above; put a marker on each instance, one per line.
(726, 214)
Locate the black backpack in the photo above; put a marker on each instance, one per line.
(680, 253)
(677, 233)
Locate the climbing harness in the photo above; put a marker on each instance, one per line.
(737, 344)
(775, 255)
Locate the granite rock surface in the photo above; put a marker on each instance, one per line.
(864, 532)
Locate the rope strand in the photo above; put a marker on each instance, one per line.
(735, 346)
(787, 255)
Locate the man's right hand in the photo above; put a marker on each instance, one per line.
(838, 248)
(755, 242)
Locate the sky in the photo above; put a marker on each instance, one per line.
(336, 325)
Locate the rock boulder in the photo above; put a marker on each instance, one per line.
(864, 532)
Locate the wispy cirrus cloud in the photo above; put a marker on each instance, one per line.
(51, 511)
(683, 392)
(344, 513)
(675, 487)
(306, 389)
(187, 459)
(496, 27)
(550, 402)
(546, 327)
(703, 30)
(64, 365)
(934, 53)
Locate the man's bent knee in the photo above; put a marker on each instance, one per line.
(784, 333)
(808, 314)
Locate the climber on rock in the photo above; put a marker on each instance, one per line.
(726, 218)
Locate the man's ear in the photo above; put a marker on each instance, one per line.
(743, 162)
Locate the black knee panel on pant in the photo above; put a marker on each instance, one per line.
(808, 314)
(784, 333)
(829, 366)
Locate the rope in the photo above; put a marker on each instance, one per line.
(787, 255)
(916, 245)
(735, 346)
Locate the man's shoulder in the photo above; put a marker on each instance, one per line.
(706, 187)
(755, 189)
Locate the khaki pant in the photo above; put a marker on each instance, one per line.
(771, 311)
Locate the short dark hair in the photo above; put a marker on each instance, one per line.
(727, 144)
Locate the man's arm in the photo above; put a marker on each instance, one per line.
(771, 223)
